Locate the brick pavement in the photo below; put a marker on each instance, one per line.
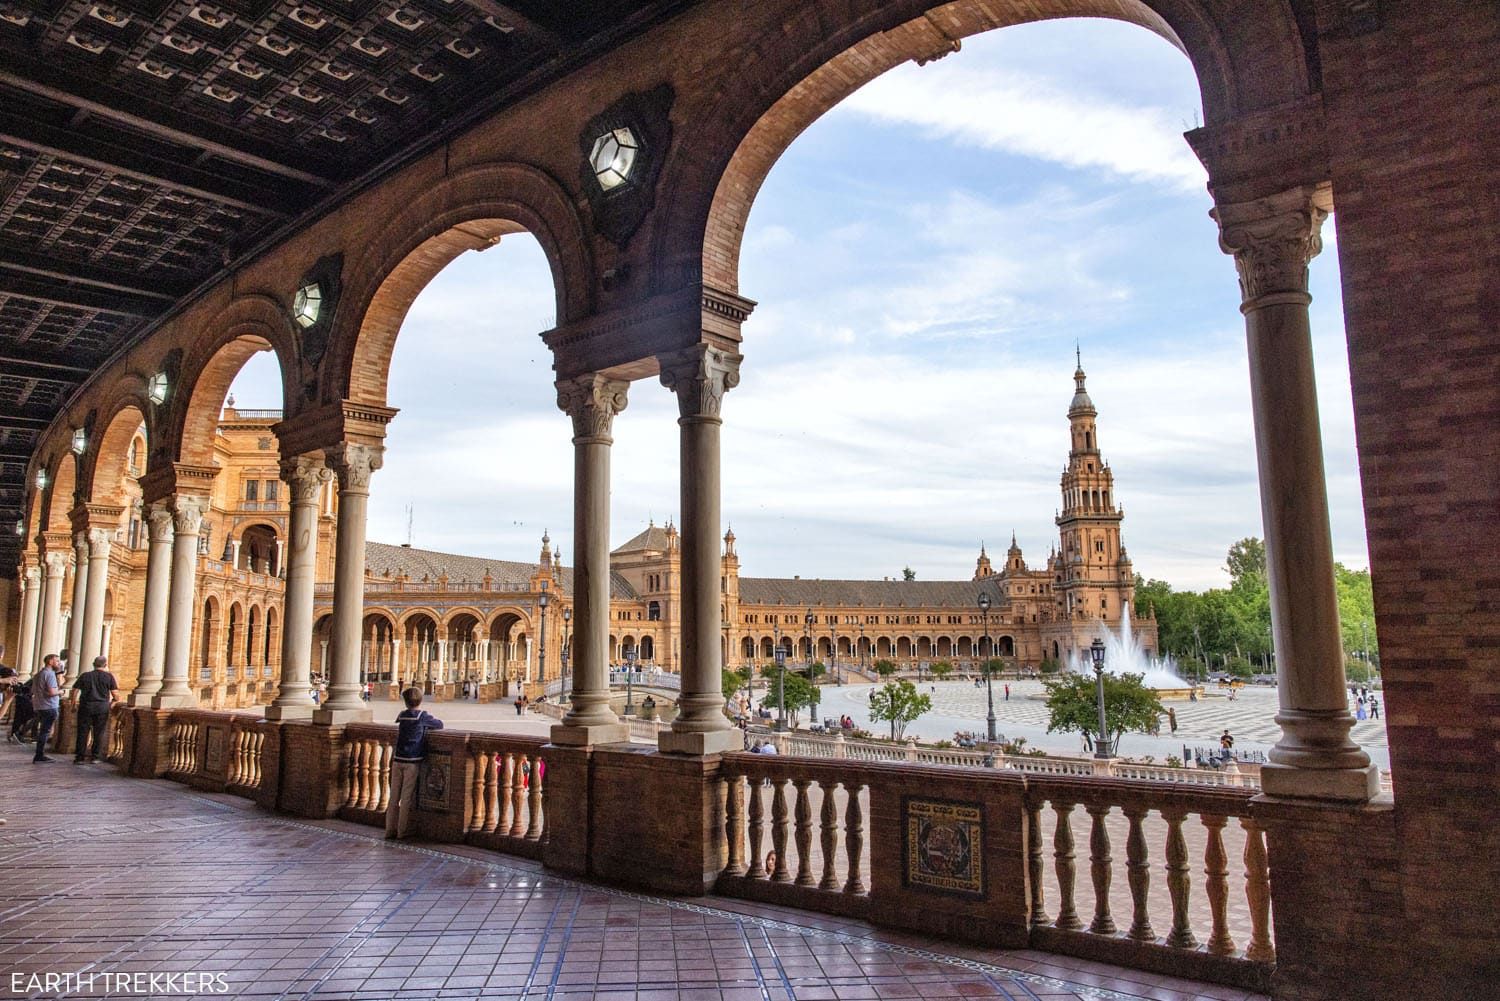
(115, 876)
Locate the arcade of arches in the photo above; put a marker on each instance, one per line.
(1308, 105)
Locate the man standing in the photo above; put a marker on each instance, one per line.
(412, 724)
(46, 699)
(94, 692)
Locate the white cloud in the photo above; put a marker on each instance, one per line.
(1027, 115)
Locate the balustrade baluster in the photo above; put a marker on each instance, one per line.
(1216, 871)
(1138, 872)
(803, 812)
(1062, 854)
(491, 792)
(518, 797)
(829, 835)
(754, 870)
(384, 753)
(506, 782)
(854, 838)
(734, 825)
(1178, 881)
(353, 793)
(481, 763)
(368, 750)
(259, 760)
(779, 873)
(236, 749)
(1100, 870)
(1258, 893)
(193, 751)
(534, 828)
(1035, 865)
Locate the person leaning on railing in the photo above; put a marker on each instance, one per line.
(412, 724)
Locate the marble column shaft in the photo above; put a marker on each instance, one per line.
(592, 401)
(80, 593)
(55, 567)
(92, 638)
(305, 477)
(187, 519)
(1273, 240)
(700, 376)
(31, 600)
(353, 464)
(154, 605)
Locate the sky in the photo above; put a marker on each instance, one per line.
(926, 258)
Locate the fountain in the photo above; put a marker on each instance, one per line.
(1123, 655)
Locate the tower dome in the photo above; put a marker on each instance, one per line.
(1081, 403)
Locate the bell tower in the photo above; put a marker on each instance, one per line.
(1092, 558)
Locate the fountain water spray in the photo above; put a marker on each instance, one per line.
(1124, 655)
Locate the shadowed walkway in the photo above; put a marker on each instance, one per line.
(114, 876)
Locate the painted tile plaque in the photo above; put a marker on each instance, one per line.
(215, 750)
(943, 844)
(437, 771)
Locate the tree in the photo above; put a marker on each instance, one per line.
(816, 670)
(885, 668)
(995, 665)
(941, 669)
(732, 681)
(1073, 705)
(898, 702)
(907, 573)
(800, 693)
(1246, 563)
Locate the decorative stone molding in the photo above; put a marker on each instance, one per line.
(99, 542)
(592, 401)
(1272, 240)
(700, 376)
(354, 463)
(187, 513)
(305, 475)
(57, 564)
(33, 574)
(81, 544)
(159, 522)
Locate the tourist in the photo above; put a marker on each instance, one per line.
(1172, 718)
(1374, 708)
(412, 724)
(46, 700)
(770, 863)
(1007, 692)
(768, 748)
(366, 691)
(1359, 710)
(22, 717)
(1226, 746)
(519, 705)
(94, 692)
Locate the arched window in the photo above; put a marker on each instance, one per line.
(653, 611)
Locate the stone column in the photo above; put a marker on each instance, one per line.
(31, 600)
(80, 593)
(55, 566)
(92, 642)
(1272, 241)
(592, 401)
(353, 463)
(154, 605)
(700, 376)
(187, 518)
(305, 477)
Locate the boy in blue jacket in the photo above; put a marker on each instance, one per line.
(412, 724)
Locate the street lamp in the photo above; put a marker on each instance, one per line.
(567, 621)
(630, 682)
(1101, 745)
(543, 600)
(989, 688)
(808, 624)
(780, 659)
(833, 650)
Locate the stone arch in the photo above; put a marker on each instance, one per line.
(468, 210)
(815, 59)
(59, 497)
(250, 324)
(105, 466)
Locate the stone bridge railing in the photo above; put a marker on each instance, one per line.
(1132, 872)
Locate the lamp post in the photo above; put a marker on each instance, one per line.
(807, 622)
(989, 688)
(862, 650)
(833, 651)
(630, 682)
(543, 600)
(567, 622)
(1101, 745)
(780, 659)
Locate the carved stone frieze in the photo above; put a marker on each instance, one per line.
(592, 401)
(1272, 239)
(57, 564)
(700, 376)
(99, 542)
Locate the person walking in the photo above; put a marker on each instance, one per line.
(412, 726)
(46, 700)
(519, 705)
(1007, 692)
(93, 693)
(1374, 708)
(1172, 718)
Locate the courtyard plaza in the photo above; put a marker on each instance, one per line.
(113, 878)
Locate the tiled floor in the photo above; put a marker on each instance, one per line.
(109, 877)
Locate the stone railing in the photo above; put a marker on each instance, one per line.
(966, 852)
(367, 783)
(376, 585)
(508, 776)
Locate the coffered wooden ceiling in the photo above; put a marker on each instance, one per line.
(146, 145)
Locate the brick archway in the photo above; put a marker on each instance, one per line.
(809, 64)
(469, 210)
(106, 465)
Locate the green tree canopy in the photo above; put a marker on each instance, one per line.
(1129, 706)
(1246, 563)
(733, 681)
(941, 669)
(907, 573)
(800, 693)
(898, 702)
(885, 668)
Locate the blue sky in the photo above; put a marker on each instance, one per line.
(925, 257)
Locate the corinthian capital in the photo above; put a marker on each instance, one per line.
(305, 476)
(99, 541)
(81, 544)
(32, 573)
(354, 463)
(700, 376)
(57, 564)
(187, 513)
(592, 401)
(159, 521)
(1272, 240)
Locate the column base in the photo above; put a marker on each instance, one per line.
(185, 701)
(141, 699)
(273, 711)
(1352, 785)
(700, 742)
(587, 736)
(338, 717)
